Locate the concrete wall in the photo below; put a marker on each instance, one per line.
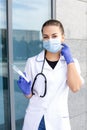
(73, 15)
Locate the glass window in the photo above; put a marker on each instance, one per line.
(4, 90)
(73, 14)
(28, 17)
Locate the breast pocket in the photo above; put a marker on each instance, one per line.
(65, 123)
(59, 122)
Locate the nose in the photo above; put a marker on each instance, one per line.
(50, 38)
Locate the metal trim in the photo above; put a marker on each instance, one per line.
(53, 9)
(10, 61)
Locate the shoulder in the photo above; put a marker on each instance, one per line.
(37, 58)
(63, 60)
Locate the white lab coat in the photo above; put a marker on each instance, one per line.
(54, 106)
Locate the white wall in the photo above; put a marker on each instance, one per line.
(73, 15)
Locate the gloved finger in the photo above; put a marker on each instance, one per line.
(24, 73)
(29, 83)
(20, 77)
(64, 45)
(18, 82)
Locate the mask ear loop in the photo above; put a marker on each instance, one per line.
(45, 90)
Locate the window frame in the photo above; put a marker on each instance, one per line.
(10, 56)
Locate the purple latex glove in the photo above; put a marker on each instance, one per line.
(67, 54)
(24, 85)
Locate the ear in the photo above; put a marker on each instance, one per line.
(63, 38)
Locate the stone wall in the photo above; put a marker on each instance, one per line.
(73, 15)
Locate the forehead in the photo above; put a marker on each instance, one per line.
(51, 29)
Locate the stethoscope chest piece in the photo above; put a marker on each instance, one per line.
(45, 83)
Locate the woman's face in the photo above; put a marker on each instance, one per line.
(52, 31)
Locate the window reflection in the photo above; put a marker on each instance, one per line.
(26, 44)
(28, 17)
(4, 92)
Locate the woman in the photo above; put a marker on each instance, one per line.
(48, 106)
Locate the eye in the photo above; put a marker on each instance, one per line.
(54, 36)
(45, 37)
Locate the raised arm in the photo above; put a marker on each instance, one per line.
(74, 80)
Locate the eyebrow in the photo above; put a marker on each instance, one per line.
(52, 34)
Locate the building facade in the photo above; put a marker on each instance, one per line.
(73, 14)
(20, 38)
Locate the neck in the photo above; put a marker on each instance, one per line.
(52, 56)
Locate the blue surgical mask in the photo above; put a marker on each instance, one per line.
(52, 45)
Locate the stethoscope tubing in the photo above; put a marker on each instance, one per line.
(45, 89)
(45, 80)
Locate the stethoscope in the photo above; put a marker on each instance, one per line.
(45, 80)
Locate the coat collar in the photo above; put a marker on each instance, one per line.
(40, 57)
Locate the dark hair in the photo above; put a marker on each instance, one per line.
(54, 23)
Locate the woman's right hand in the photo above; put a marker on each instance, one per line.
(24, 86)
